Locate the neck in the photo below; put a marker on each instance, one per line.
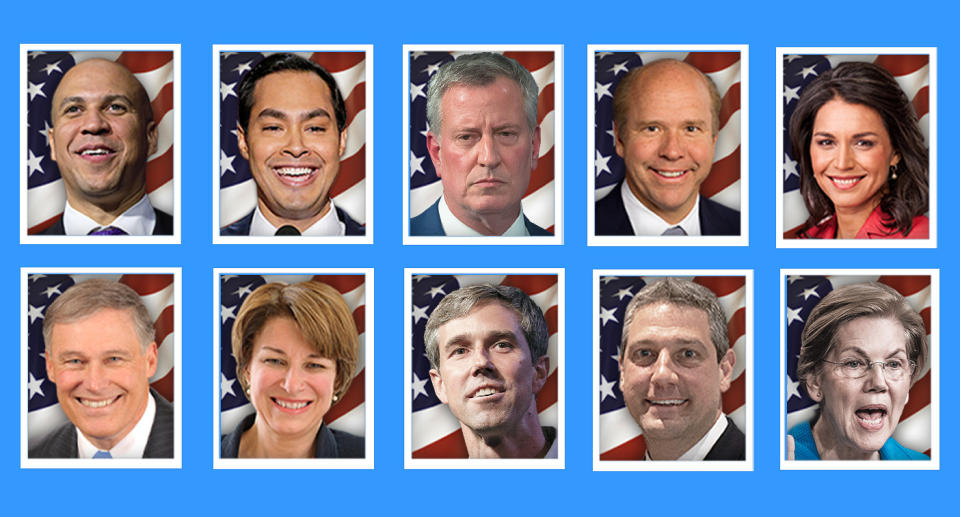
(105, 210)
(851, 220)
(300, 224)
(830, 448)
(491, 224)
(671, 216)
(671, 449)
(524, 440)
(260, 442)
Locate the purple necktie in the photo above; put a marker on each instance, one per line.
(107, 230)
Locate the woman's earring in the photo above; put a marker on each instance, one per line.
(335, 398)
(893, 172)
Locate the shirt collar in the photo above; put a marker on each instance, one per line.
(327, 226)
(139, 219)
(454, 227)
(700, 449)
(645, 222)
(132, 445)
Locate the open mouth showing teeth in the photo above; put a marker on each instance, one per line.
(670, 174)
(871, 416)
(95, 152)
(845, 182)
(668, 402)
(96, 404)
(291, 405)
(485, 392)
(294, 172)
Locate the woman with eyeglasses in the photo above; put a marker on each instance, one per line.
(862, 348)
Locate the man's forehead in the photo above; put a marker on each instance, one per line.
(666, 317)
(286, 87)
(481, 323)
(99, 77)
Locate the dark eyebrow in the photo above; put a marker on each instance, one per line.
(501, 335)
(277, 114)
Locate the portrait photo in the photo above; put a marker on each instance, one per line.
(673, 363)
(295, 144)
(668, 130)
(860, 370)
(100, 126)
(493, 167)
(858, 147)
(484, 369)
(294, 359)
(100, 368)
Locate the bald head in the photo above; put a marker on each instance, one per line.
(96, 74)
(662, 76)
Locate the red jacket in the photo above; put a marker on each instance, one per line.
(872, 229)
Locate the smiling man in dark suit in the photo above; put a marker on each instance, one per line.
(666, 122)
(675, 365)
(101, 353)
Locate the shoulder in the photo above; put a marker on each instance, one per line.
(352, 226)
(61, 443)
(56, 228)
(730, 446)
(717, 219)
(534, 229)
(348, 445)
(230, 443)
(805, 446)
(428, 222)
(610, 215)
(164, 224)
(241, 227)
(921, 228)
(892, 450)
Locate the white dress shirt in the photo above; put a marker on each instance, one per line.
(132, 445)
(645, 222)
(327, 226)
(139, 219)
(454, 227)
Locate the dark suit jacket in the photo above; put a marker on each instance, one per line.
(164, 225)
(62, 443)
(610, 216)
(330, 443)
(242, 227)
(730, 446)
(428, 224)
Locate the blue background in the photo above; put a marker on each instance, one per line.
(197, 488)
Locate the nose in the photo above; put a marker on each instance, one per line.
(488, 155)
(292, 381)
(670, 146)
(96, 377)
(294, 145)
(876, 379)
(663, 373)
(844, 159)
(481, 360)
(94, 123)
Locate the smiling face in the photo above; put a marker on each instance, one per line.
(851, 155)
(669, 374)
(857, 416)
(291, 385)
(486, 374)
(667, 139)
(484, 152)
(102, 374)
(102, 134)
(293, 146)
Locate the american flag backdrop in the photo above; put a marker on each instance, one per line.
(238, 192)
(620, 436)
(157, 293)
(912, 73)
(435, 432)
(347, 414)
(45, 192)
(723, 183)
(425, 186)
(803, 293)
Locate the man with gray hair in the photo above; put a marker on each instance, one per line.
(487, 346)
(101, 353)
(484, 141)
(675, 365)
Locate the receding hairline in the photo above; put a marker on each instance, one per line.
(637, 77)
(140, 96)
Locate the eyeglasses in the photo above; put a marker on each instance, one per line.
(893, 369)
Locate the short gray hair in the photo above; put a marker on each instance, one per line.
(460, 302)
(84, 299)
(684, 293)
(480, 69)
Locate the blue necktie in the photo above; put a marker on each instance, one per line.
(102, 454)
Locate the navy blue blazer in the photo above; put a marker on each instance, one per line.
(62, 443)
(330, 443)
(610, 216)
(164, 225)
(428, 224)
(242, 227)
(730, 446)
